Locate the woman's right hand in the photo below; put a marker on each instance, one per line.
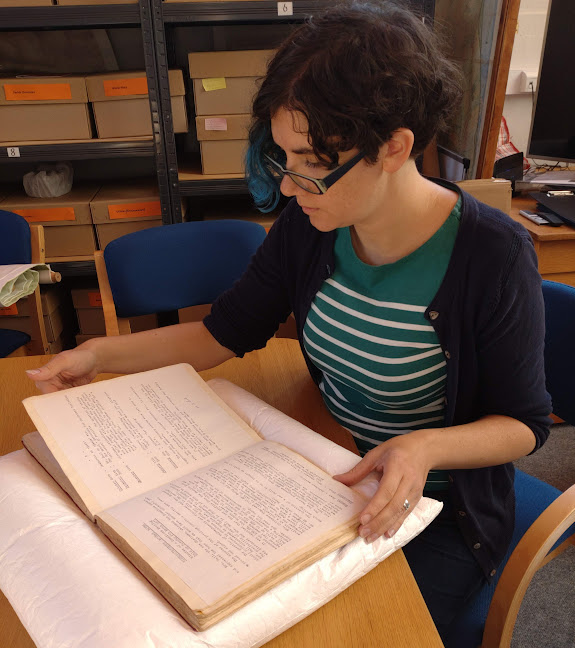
(68, 369)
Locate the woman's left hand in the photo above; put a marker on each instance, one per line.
(403, 462)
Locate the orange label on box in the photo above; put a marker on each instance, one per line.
(9, 310)
(37, 91)
(42, 214)
(95, 299)
(126, 87)
(135, 210)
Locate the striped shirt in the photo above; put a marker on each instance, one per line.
(383, 369)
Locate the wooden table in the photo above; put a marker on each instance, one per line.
(555, 246)
(383, 609)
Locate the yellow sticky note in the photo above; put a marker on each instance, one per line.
(214, 84)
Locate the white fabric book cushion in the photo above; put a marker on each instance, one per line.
(71, 587)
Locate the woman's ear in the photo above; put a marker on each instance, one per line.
(394, 153)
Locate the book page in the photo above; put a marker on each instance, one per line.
(224, 524)
(121, 437)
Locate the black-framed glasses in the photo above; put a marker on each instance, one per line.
(315, 185)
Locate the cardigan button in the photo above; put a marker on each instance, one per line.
(433, 315)
(493, 572)
(448, 355)
(462, 513)
(477, 545)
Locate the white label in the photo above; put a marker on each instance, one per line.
(13, 151)
(285, 8)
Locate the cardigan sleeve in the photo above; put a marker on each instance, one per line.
(247, 315)
(511, 345)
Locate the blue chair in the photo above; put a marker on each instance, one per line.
(544, 517)
(15, 247)
(167, 268)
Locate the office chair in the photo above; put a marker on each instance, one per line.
(544, 516)
(167, 268)
(22, 243)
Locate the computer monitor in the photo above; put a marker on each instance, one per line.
(552, 135)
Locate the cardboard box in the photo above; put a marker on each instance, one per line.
(91, 321)
(107, 232)
(121, 105)
(223, 142)
(223, 127)
(94, 2)
(25, 3)
(223, 157)
(119, 203)
(81, 337)
(226, 82)
(71, 240)
(53, 322)
(44, 109)
(238, 63)
(52, 297)
(86, 298)
(237, 97)
(44, 123)
(43, 90)
(194, 313)
(70, 209)
(57, 346)
(133, 119)
(495, 192)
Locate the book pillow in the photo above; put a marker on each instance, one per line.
(70, 586)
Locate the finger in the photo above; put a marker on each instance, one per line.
(48, 371)
(389, 521)
(371, 517)
(358, 472)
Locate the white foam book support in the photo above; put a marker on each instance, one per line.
(71, 587)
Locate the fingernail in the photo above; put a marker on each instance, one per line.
(365, 519)
(32, 372)
(372, 538)
(364, 532)
(390, 533)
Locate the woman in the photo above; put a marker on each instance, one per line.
(419, 309)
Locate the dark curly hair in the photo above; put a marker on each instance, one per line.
(358, 72)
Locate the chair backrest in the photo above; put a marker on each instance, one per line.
(15, 243)
(171, 267)
(560, 347)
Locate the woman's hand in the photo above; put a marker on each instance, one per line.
(67, 369)
(403, 462)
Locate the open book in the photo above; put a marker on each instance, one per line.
(212, 515)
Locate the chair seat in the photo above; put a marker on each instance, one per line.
(11, 340)
(532, 497)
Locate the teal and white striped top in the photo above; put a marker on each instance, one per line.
(383, 367)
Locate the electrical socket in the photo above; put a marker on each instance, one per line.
(528, 82)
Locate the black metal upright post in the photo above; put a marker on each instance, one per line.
(160, 106)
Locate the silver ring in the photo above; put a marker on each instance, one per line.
(406, 505)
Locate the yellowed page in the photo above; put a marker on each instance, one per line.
(221, 526)
(118, 438)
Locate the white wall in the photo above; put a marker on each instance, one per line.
(524, 67)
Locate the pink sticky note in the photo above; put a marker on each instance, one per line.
(216, 124)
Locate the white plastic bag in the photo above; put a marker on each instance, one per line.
(49, 180)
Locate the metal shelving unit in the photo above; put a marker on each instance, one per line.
(88, 150)
(231, 13)
(62, 17)
(153, 16)
(86, 17)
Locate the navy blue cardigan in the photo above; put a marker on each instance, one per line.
(489, 318)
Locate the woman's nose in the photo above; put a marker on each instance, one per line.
(288, 187)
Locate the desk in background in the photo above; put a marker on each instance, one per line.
(383, 609)
(555, 246)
